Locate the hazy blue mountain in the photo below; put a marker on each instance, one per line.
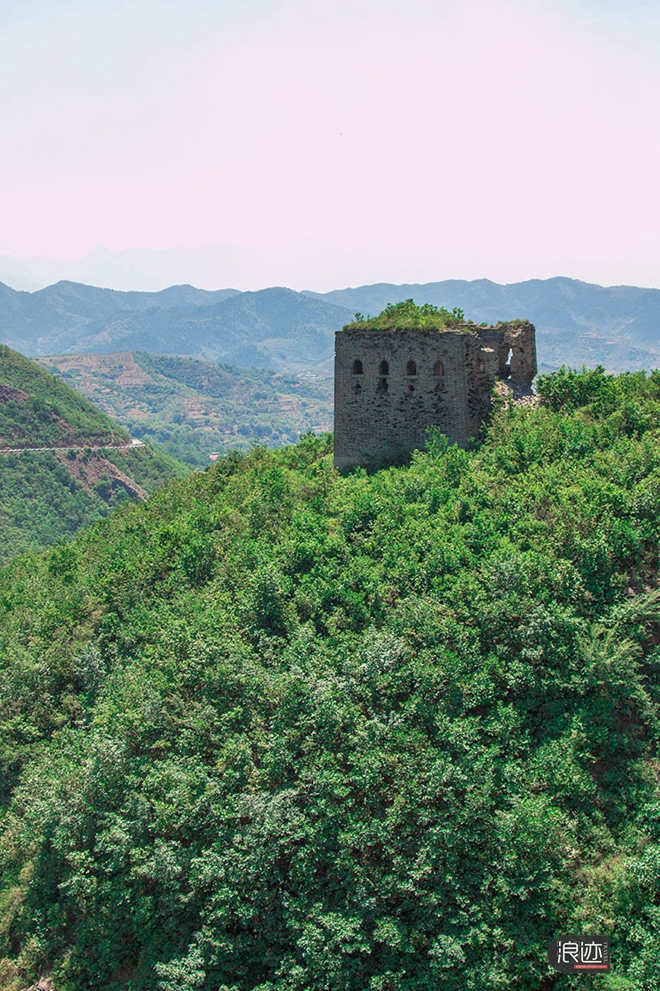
(53, 318)
(577, 322)
(275, 328)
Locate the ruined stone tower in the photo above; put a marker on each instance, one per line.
(390, 385)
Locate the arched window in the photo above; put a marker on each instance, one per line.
(382, 385)
(411, 368)
(383, 368)
(438, 368)
(357, 368)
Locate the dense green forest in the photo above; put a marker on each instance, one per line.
(190, 408)
(45, 497)
(278, 729)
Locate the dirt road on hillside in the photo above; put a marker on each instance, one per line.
(104, 447)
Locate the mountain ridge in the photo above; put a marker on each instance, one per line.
(284, 330)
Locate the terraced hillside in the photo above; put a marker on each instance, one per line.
(191, 408)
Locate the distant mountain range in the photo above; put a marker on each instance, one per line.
(577, 322)
(286, 331)
(277, 329)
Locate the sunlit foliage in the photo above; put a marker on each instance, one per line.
(282, 730)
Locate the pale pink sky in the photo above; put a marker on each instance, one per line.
(438, 140)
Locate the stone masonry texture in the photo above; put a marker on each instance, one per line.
(390, 385)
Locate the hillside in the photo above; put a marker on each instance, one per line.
(38, 410)
(292, 332)
(278, 728)
(46, 495)
(190, 408)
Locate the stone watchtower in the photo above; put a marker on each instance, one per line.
(391, 384)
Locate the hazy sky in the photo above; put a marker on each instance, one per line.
(337, 143)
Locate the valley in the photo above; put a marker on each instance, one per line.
(191, 408)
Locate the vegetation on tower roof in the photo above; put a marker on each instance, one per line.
(407, 314)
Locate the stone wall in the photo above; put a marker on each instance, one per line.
(515, 346)
(390, 385)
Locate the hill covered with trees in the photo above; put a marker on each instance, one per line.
(46, 495)
(39, 410)
(278, 728)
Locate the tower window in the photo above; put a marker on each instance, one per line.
(438, 368)
(357, 368)
(383, 368)
(411, 368)
(382, 385)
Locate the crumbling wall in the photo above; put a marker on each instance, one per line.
(515, 346)
(391, 385)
